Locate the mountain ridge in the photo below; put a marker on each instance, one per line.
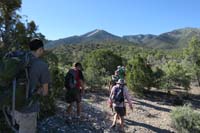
(177, 38)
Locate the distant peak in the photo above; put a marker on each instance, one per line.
(98, 30)
(93, 32)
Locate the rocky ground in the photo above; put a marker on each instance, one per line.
(150, 115)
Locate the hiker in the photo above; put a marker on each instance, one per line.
(113, 81)
(74, 84)
(115, 77)
(39, 81)
(119, 74)
(117, 97)
(121, 71)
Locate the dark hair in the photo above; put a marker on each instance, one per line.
(35, 44)
(77, 64)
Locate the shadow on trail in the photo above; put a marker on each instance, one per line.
(100, 95)
(150, 127)
(178, 99)
(195, 101)
(152, 106)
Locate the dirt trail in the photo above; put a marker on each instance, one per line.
(149, 115)
(146, 117)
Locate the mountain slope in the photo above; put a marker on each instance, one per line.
(95, 36)
(140, 39)
(170, 40)
(174, 39)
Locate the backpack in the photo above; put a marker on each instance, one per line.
(14, 80)
(70, 81)
(115, 78)
(118, 96)
(113, 81)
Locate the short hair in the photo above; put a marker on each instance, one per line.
(35, 44)
(77, 64)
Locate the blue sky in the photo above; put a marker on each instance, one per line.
(63, 18)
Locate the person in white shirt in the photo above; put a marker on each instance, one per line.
(118, 102)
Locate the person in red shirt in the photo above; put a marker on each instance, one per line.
(75, 89)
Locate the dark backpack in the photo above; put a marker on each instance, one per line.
(70, 81)
(14, 80)
(114, 79)
(118, 96)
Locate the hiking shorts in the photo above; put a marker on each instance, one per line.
(73, 95)
(121, 111)
(27, 122)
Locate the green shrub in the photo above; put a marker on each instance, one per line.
(99, 65)
(139, 75)
(186, 120)
(175, 75)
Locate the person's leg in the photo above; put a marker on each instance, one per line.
(70, 98)
(78, 108)
(78, 102)
(121, 118)
(69, 108)
(114, 120)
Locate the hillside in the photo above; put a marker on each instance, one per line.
(178, 38)
(96, 37)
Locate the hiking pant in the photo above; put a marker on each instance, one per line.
(27, 122)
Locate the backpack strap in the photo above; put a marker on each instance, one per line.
(27, 66)
(122, 89)
(13, 101)
(7, 116)
(123, 96)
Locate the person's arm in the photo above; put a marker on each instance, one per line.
(110, 102)
(45, 89)
(111, 93)
(45, 80)
(82, 81)
(82, 86)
